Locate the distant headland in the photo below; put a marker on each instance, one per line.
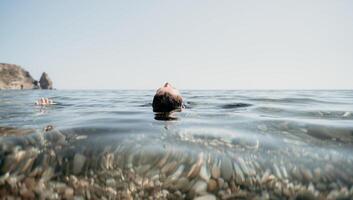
(14, 77)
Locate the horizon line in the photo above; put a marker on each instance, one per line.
(200, 89)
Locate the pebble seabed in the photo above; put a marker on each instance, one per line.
(57, 164)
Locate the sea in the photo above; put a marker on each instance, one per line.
(225, 144)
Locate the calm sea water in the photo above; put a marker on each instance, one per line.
(304, 137)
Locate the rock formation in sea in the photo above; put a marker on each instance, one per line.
(15, 77)
(45, 82)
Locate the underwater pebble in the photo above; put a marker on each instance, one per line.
(220, 182)
(265, 176)
(216, 171)
(243, 166)
(27, 194)
(308, 176)
(226, 168)
(177, 173)
(212, 185)
(107, 161)
(69, 193)
(239, 176)
(199, 187)
(284, 172)
(277, 171)
(195, 169)
(182, 184)
(169, 167)
(79, 161)
(110, 182)
(206, 197)
(204, 173)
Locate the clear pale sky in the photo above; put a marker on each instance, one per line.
(194, 44)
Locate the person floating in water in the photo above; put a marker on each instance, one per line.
(167, 99)
(44, 102)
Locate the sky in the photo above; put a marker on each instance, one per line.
(199, 44)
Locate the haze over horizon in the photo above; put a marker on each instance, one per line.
(193, 45)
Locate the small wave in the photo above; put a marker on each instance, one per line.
(235, 105)
(290, 100)
(190, 104)
(146, 105)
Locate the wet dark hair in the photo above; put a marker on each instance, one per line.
(166, 102)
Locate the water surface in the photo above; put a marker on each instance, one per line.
(269, 144)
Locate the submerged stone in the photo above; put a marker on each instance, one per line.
(216, 171)
(226, 168)
(79, 161)
(200, 187)
(206, 197)
(211, 185)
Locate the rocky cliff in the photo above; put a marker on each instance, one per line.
(15, 77)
